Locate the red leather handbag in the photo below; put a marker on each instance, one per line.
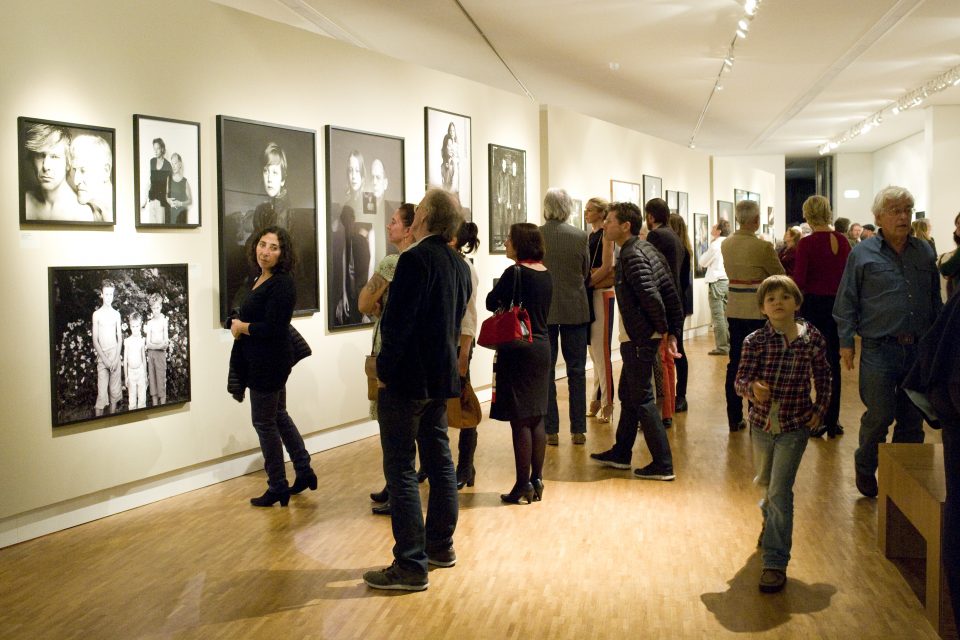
(510, 327)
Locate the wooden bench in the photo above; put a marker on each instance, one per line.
(912, 489)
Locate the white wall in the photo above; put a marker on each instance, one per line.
(853, 171)
(761, 174)
(904, 164)
(942, 143)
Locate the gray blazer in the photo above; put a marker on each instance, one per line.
(567, 258)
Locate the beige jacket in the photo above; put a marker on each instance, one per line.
(748, 261)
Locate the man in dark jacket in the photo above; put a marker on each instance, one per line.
(649, 308)
(417, 371)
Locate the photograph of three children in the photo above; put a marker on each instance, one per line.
(119, 340)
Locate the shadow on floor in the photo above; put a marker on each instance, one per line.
(743, 609)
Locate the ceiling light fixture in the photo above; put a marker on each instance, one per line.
(743, 26)
(945, 80)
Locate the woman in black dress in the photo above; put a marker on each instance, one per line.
(521, 374)
(262, 333)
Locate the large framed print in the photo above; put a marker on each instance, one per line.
(621, 191)
(119, 340)
(448, 155)
(365, 186)
(267, 175)
(725, 211)
(701, 242)
(652, 188)
(166, 172)
(672, 200)
(508, 193)
(683, 202)
(577, 219)
(67, 173)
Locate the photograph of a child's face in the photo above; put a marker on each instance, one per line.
(66, 173)
(267, 176)
(119, 340)
(448, 161)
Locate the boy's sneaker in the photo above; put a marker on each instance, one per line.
(445, 558)
(650, 472)
(609, 459)
(393, 577)
(553, 439)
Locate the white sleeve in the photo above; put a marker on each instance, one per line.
(468, 325)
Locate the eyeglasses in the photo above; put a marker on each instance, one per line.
(898, 211)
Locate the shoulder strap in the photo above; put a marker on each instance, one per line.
(517, 294)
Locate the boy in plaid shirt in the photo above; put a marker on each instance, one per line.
(774, 375)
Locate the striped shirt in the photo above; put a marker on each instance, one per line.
(748, 261)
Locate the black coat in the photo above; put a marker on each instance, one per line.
(646, 294)
(420, 327)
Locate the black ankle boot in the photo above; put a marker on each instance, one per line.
(466, 479)
(303, 482)
(537, 488)
(380, 496)
(519, 494)
(270, 498)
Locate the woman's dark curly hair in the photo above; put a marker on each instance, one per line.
(467, 240)
(288, 255)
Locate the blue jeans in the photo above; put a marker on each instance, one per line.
(572, 339)
(776, 458)
(883, 366)
(406, 425)
(638, 405)
(276, 430)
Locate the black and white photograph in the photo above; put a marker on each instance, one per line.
(621, 191)
(365, 186)
(508, 193)
(576, 215)
(725, 211)
(701, 242)
(740, 194)
(119, 340)
(683, 203)
(67, 173)
(267, 176)
(751, 195)
(166, 172)
(652, 188)
(448, 154)
(672, 200)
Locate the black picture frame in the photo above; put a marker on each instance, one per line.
(160, 200)
(359, 165)
(65, 177)
(453, 173)
(672, 198)
(701, 242)
(77, 370)
(725, 211)
(508, 192)
(623, 191)
(244, 203)
(752, 195)
(740, 194)
(652, 188)
(577, 219)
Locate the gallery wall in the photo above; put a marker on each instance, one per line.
(101, 61)
(904, 164)
(853, 172)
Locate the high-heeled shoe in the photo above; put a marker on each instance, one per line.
(270, 498)
(304, 482)
(380, 496)
(466, 479)
(594, 408)
(537, 488)
(421, 476)
(605, 413)
(518, 494)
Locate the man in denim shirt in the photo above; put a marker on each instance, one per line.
(890, 295)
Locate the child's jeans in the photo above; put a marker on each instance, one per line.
(137, 388)
(777, 458)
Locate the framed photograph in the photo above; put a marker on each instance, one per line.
(725, 211)
(267, 175)
(652, 188)
(166, 172)
(755, 197)
(683, 201)
(577, 219)
(67, 173)
(365, 186)
(701, 242)
(621, 191)
(672, 200)
(770, 216)
(740, 194)
(917, 215)
(448, 154)
(119, 340)
(508, 192)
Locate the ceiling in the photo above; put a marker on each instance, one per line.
(807, 71)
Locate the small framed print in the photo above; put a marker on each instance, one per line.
(508, 193)
(672, 200)
(448, 155)
(166, 172)
(621, 191)
(652, 188)
(67, 173)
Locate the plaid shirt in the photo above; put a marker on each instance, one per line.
(787, 368)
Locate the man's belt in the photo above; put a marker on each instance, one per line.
(903, 338)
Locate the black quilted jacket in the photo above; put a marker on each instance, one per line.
(646, 294)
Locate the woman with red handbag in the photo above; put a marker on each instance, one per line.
(520, 373)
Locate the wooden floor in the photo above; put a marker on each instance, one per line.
(603, 556)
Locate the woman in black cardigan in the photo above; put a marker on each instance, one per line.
(263, 335)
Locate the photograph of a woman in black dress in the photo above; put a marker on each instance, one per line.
(521, 373)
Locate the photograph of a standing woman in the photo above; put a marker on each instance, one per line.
(450, 156)
(158, 209)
